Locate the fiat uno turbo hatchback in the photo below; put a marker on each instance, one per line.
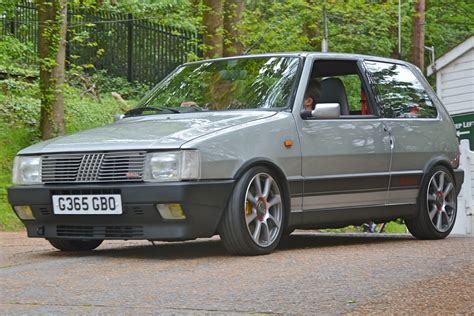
(251, 148)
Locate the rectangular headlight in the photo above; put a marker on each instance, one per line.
(173, 166)
(27, 170)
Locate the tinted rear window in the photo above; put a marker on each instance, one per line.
(399, 93)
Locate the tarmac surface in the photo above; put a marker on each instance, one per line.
(312, 273)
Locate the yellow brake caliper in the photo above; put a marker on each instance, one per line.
(248, 208)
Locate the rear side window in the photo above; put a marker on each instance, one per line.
(399, 93)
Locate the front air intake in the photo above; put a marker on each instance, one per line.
(92, 167)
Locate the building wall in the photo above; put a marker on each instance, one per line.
(455, 84)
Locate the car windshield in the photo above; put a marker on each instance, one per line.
(242, 83)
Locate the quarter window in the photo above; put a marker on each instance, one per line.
(399, 93)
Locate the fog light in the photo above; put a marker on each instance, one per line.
(24, 212)
(171, 211)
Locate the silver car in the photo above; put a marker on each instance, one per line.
(251, 148)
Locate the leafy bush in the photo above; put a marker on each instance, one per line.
(128, 90)
(105, 84)
(88, 113)
(15, 56)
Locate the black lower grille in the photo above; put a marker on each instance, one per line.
(44, 210)
(75, 231)
(99, 231)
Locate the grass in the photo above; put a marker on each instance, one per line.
(11, 141)
(395, 227)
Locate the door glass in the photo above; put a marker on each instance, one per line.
(399, 93)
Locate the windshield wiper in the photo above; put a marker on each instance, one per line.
(138, 111)
(171, 110)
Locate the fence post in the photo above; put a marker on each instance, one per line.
(12, 27)
(466, 163)
(463, 223)
(130, 48)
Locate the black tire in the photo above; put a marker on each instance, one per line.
(423, 226)
(75, 245)
(234, 230)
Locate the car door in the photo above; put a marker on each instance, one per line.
(412, 119)
(345, 161)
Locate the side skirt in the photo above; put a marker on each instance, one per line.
(335, 218)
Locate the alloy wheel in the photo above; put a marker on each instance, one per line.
(263, 209)
(441, 201)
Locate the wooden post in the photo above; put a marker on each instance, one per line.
(418, 36)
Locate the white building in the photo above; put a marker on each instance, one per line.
(455, 87)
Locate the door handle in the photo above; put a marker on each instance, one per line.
(390, 136)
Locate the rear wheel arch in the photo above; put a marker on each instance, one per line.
(433, 163)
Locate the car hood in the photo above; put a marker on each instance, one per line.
(147, 132)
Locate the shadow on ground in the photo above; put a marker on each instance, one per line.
(213, 248)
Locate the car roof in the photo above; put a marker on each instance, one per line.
(314, 55)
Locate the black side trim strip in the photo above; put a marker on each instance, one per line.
(356, 183)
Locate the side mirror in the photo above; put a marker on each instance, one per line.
(118, 117)
(326, 111)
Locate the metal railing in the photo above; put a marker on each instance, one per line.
(124, 45)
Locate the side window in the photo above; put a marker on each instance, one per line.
(399, 93)
(337, 81)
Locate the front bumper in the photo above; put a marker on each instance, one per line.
(203, 203)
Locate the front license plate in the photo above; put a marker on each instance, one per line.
(103, 204)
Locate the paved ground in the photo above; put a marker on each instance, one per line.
(312, 274)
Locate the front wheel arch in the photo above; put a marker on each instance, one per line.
(281, 178)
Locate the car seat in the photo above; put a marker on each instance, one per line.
(333, 91)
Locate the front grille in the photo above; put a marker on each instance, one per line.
(93, 167)
(99, 231)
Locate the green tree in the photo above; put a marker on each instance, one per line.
(212, 25)
(52, 52)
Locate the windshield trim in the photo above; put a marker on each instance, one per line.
(270, 55)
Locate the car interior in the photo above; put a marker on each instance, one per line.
(341, 83)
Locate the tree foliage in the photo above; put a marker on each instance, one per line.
(232, 26)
